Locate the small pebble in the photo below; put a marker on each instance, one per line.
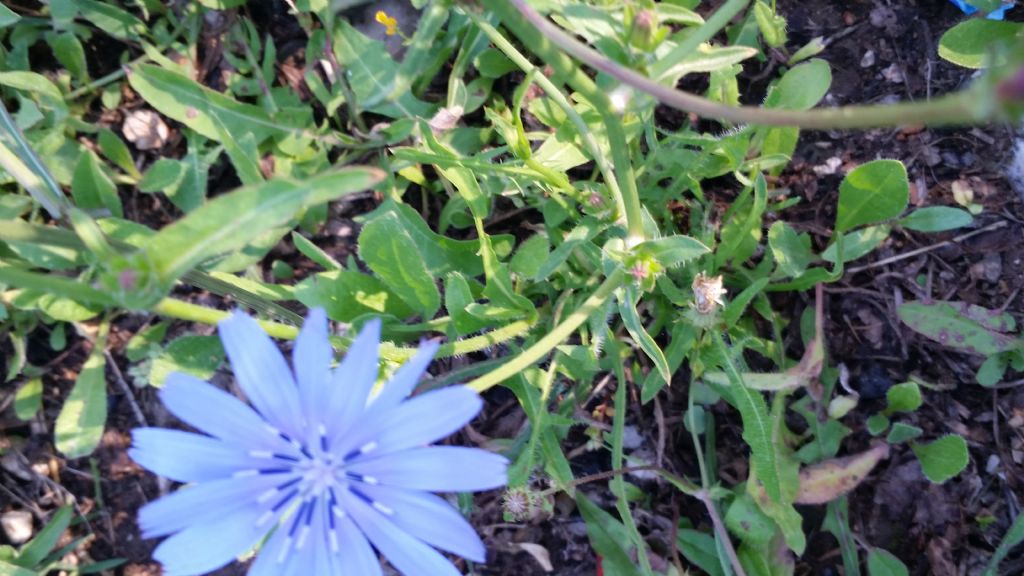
(868, 60)
(17, 526)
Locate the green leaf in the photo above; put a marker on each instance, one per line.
(79, 426)
(165, 174)
(746, 520)
(371, 73)
(206, 111)
(936, 219)
(882, 563)
(92, 188)
(873, 192)
(963, 326)
(740, 237)
(1014, 536)
(699, 548)
(441, 254)
(792, 250)
(493, 64)
(631, 320)
(346, 295)
(530, 256)
(902, 433)
(6, 568)
(49, 94)
(905, 397)
(992, 370)
(672, 250)
(117, 152)
(39, 547)
(802, 87)
(231, 221)
(28, 399)
(757, 427)
(7, 16)
(858, 243)
(877, 424)
(969, 43)
(707, 58)
(111, 19)
(144, 342)
(69, 52)
(199, 356)
(771, 24)
(606, 536)
(943, 458)
(314, 252)
(391, 252)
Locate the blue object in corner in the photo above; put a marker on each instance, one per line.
(970, 9)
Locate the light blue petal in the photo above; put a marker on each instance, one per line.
(437, 469)
(414, 423)
(430, 519)
(262, 373)
(205, 547)
(188, 457)
(354, 555)
(311, 359)
(353, 380)
(410, 556)
(405, 379)
(215, 412)
(203, 503)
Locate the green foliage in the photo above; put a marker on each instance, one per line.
(942, 459)
(538, 219)
(871, 193)
(970, 43)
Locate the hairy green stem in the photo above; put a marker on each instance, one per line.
(723, 534)
(181, 310)
(959, 108)
(553, 338)
(618, 484)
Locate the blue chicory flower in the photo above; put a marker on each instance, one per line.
(969, 9)
(331, 472)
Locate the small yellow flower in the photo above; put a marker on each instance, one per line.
(389, 23)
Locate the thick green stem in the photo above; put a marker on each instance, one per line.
(960, 108)
(181, 310)
(557, 335)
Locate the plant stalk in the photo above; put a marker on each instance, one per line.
(553, 338)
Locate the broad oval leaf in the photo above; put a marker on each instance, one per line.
(873, 192)
(968, 44)
(943, 458)
(961, 325)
